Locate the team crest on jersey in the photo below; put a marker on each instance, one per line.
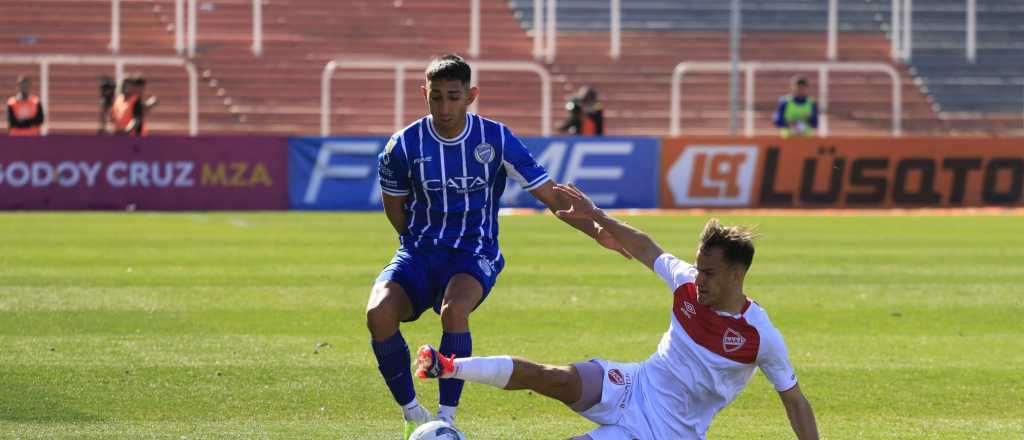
(732, 340)
(484, 153)
(615, 376)
(485, 266)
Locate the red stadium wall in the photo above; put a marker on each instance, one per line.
(769, 172)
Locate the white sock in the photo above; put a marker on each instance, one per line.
(493, 370)
(414, 411)
(446, 413)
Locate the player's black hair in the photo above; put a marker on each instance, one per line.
(799, 80)
(449, 67)
(736, 242)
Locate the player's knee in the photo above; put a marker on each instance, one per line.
(559, 377)
(551, 376)
(455, 312)
(380, 318)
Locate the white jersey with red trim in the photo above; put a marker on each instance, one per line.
(705, 358)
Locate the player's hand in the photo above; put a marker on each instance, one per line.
(606, 239)
(580, 206)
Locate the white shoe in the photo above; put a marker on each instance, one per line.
(416, 417)
(447, 418)
(418, 414)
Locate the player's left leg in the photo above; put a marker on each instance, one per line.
(463, 294)
(467, 279)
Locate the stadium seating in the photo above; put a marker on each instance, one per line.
(43, 27)
(657, 34)
(279, 92)
(988, 95)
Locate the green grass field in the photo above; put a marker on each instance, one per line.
(137, 325)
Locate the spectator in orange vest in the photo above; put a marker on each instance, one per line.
(128, 114)
(24, 111)
(586, 115)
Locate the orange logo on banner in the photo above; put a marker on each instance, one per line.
(713, 175)
(841, 172)
(722, 172)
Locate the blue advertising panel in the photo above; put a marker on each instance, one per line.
(341, 172)
(617, 172)
(334, 173)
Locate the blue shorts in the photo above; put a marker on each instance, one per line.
(424, 274)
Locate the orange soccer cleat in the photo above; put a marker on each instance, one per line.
(433, 365)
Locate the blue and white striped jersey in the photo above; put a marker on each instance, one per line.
(455, 185)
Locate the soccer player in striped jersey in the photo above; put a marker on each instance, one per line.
(717, 337)
(442, 178)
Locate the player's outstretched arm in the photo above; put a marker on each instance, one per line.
(555, 202)
(801, 416)
(640, 245)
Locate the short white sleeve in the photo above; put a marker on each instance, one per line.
(673, 271)
(773, 360)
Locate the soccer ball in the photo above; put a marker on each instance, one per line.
(436, 430)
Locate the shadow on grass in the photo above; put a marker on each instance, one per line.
(23, 401)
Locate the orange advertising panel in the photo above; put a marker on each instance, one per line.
(769, 172)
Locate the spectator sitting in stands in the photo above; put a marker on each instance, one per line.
(797, 114)
(24, 111)
(586, 115)
(128, 114)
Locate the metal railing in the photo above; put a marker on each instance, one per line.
(972, 31)
(751, 67)
(902, 31)
(832, 50)
(180, 36)
(545, 29)
(400, 66)
(189, 47)
(115, 26)
(45, 61)
(474, 28)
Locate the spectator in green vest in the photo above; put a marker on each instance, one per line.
(797, 114)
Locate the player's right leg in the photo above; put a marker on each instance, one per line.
(562, 383)
(391, 303)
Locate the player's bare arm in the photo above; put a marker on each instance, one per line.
(394, 209)
(801, 416)
(636, 242)
(556, 202)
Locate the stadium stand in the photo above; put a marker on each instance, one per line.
(657, 34)
(279, 92)
(47, 27)
(985, 96)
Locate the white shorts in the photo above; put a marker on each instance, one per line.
(619, 411)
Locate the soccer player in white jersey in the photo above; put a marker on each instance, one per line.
(716, 338)
(442, 178)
